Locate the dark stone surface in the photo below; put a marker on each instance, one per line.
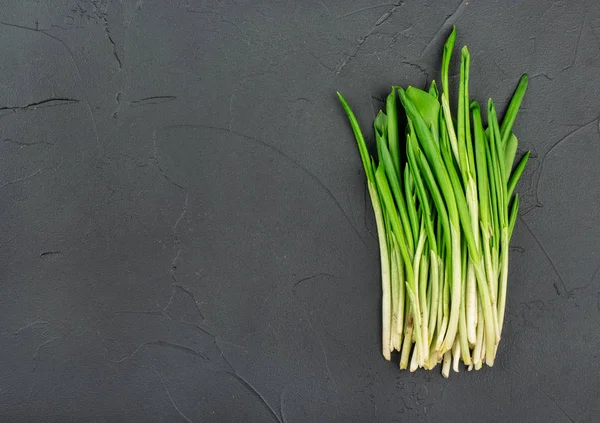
(184, 229)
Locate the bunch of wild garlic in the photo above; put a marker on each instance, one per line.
(445, 213)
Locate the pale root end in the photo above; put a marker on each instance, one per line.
(456, 356)
(414, 362)
(446, 364)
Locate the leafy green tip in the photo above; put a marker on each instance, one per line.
(465, 52)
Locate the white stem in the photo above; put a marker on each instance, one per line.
(489, 266)
(414, 362)
(495, 263)
(503, 279)
(433, 359)
(484, 352)
(456, 355)
(440, 339)
(407, 344)
(423, 278)
(479, 340)
(489, 313)
(446, 364)
(386, 316)
(471, 304)
(462, 324)
(471, 297)
(456, 289)
(421, 350)
(440, 311)
(434, 282)
(445, 310)
(394, 338)
(401, 295)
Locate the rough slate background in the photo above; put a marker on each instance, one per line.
(184, 229)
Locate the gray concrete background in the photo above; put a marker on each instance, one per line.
(184, 228)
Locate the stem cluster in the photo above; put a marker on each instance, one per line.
(445, 212)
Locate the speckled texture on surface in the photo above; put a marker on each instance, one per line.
(184, 228)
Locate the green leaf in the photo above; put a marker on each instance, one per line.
(462, 116)
(418, 161)
(388, 205)
(497, 156)
(427, 105)
(422, 194)
(482, 166)
(465, 61)
(512, 216)
(447, 54)
(380, 126)
(394, 181)
(360, 140)
(510, 149)
(392, 125)
(446, 177)
(514, 178)
(409, 191)
(433, 89)
(494, 209)
(513, 108)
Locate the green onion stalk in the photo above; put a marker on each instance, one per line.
(442, 191)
